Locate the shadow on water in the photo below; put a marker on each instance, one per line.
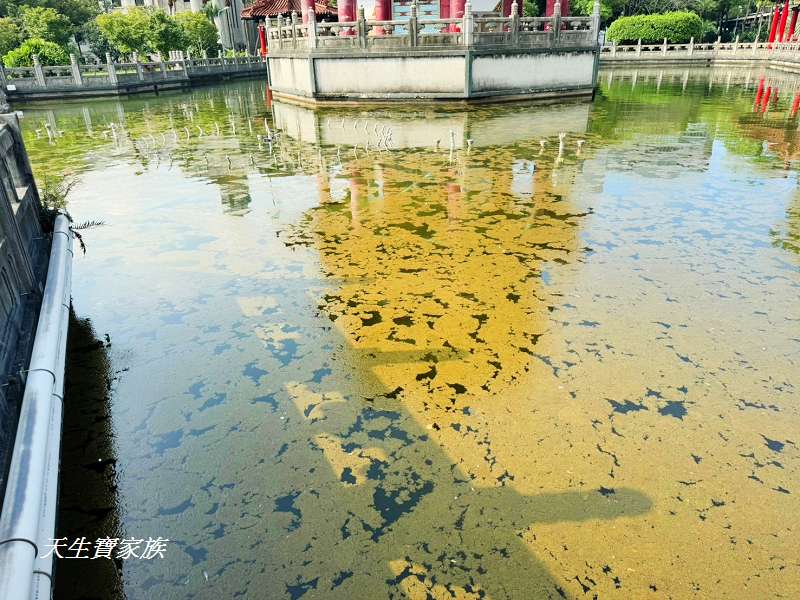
(89, 505)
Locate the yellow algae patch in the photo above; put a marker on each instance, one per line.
(255, 306)
(415, 583)
(350, 467)
(311, 404)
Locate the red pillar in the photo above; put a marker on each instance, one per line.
(444, 9)
(457, 12)
(784, 16)
(774, 25)
(346, 11)
(507, 8)
(383, 12)
(305, 7)
(792, 24)
(548, 12)
(262, 39)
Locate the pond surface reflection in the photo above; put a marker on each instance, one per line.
(431, 353)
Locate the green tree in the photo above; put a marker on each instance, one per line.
(10, 36)
(45, 24)
(48, 52)
(126, 32)
(79, 12)
(164, 33)
(199, 32)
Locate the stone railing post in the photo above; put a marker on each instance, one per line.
(76, 70)
(664, 47)
(38, 71)
(413, 25)
(613, 48)
(596, 21)
(163, 66)
(556, 22)
(3, 81)
(312, 29)
(112, 70)
(293, 23)
(514, 27)
(639, 47)
(691, 46)
(716, 44)
(362, 28)
(736, 44)
(468, 25)
(138, 65)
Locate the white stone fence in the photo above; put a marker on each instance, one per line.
(666, 51)
(290, 35)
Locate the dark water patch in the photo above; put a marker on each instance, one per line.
(285, 504)
(347, 476)
(373, 319)
(267, 399)
(673, 409)
(773, 445)
(406, 321)
(391, 508)
(340, 578)
(177, 509)
(198, 432)
(626, 407)
(168, 440)
(196, 389)
(299, 589)
(197, 555)
(253, 372)
(215, 400)
(604, 491)
(320, 374)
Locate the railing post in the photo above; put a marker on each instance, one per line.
(691, 45)
(639, 47)
(38, 72)
(664, 47)
(3, 81)
(112, 70)
(293, 24)
(163, 66)
(412, 25)
(716, 44)
(556, 22)
(613, 48)
(468, 24)
(76, 70)
(139, 70)
(596, 21)
(736, 44)
(312, 29)
(362, 28)
(514, 28)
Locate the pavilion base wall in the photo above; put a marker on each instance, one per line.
(455, 74)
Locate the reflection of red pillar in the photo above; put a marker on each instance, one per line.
(759, 93)
(765, 103)
(792, 24)
(774, 26)
(346, 11)
(262, 39)
(795, 106)
(305, 7)
(784, 16)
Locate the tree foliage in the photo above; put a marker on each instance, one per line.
(10, 35)
(48, 52)
(78, 12)
(674, 26)
(45, 24)
(164, 33)
(141, 30)
(199, 32)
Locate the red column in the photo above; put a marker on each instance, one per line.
(346, 11)
(795, 106)
(262, 39)
(383, 12)
(548, 11)
(444, 9)
(774, 26)
(457, 12)
(507, 8)
(792, 24)
(784, 16)
(305, 7)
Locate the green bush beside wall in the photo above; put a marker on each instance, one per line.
(677, 27)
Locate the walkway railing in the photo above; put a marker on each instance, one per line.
(290, 35)
(77, 77)
(718, 49)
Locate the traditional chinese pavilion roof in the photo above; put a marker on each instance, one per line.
(272, 8)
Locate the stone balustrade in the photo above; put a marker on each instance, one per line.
(114, 78)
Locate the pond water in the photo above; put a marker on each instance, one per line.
(427, 353)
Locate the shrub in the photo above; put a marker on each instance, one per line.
(677, 27)
(48, 52)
